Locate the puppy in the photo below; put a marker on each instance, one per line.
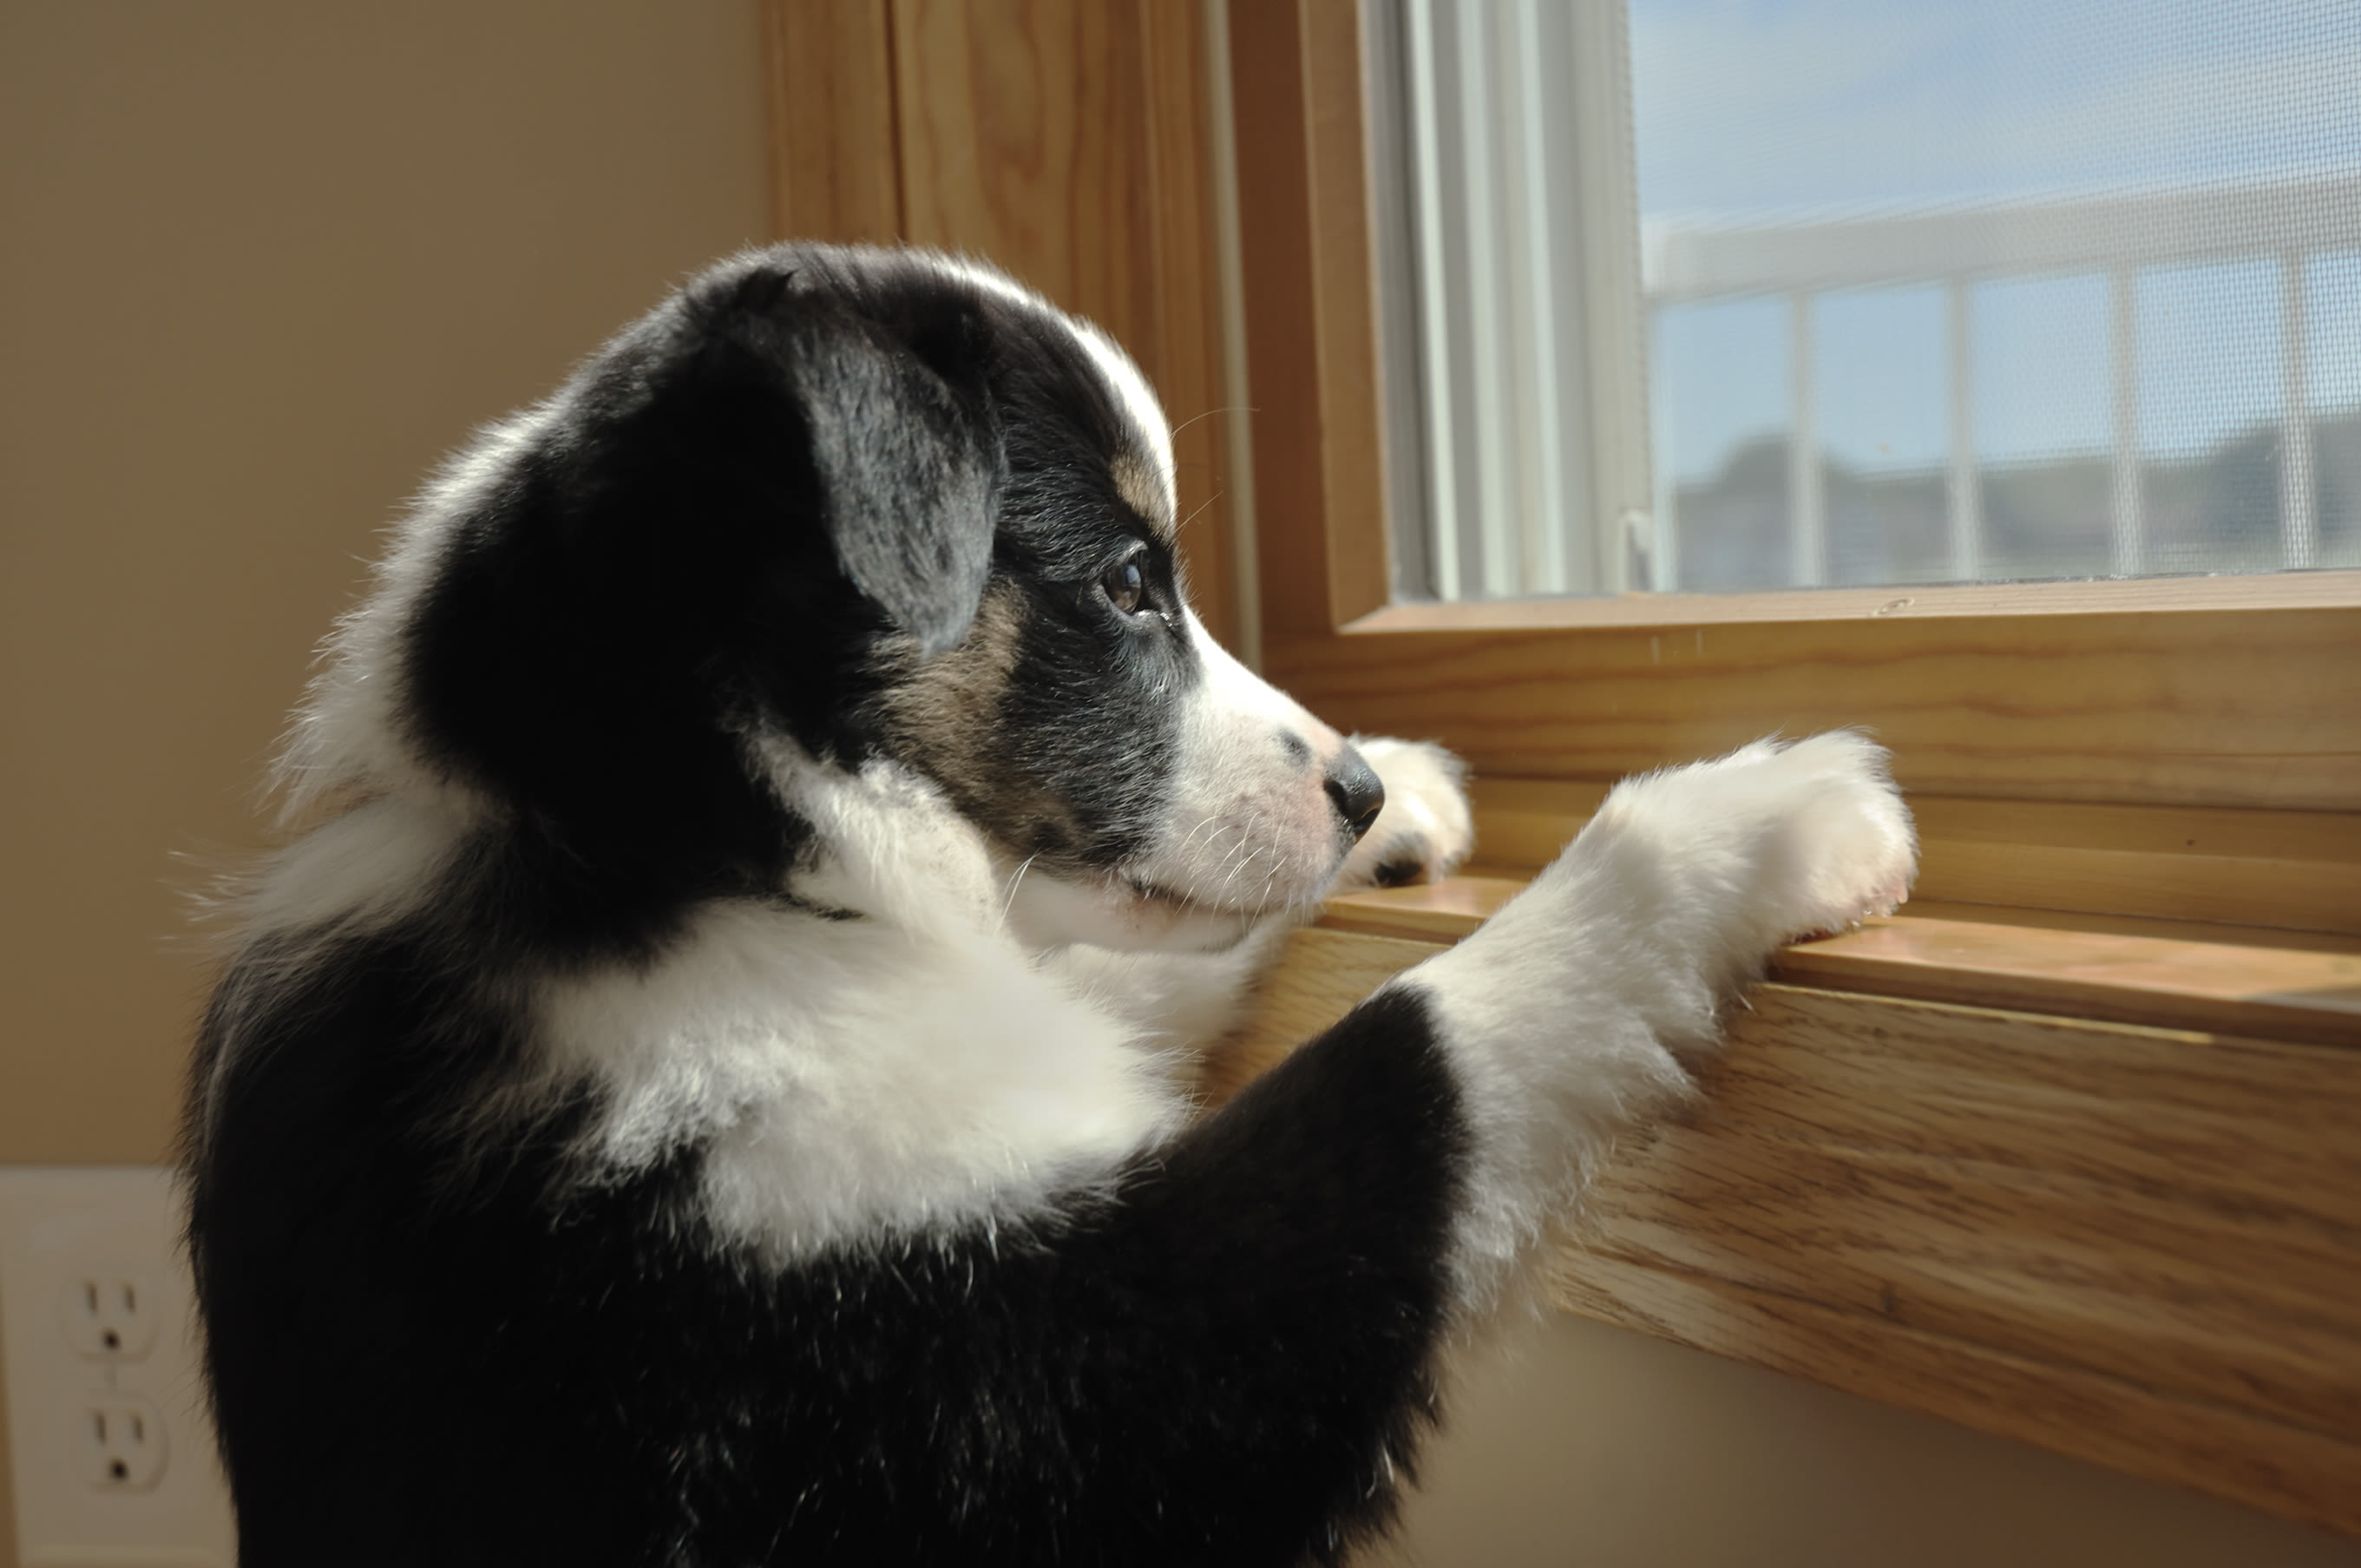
(704, 1092)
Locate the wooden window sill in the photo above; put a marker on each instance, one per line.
(2248, 922)
(2088, 1177)
(2289, 985)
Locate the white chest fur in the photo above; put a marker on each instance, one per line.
(855, 1078)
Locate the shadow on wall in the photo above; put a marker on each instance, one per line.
(1584, 1444)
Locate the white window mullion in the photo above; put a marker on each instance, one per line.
(2298, 504)
(1434, 304)
(1476, 167)
(1965, 503)
(1807, 512)
(1546, 523)
(1618, 497)
(2127, 528)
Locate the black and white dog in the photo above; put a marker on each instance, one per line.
(705, 1096)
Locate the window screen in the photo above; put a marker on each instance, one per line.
(1740, 295)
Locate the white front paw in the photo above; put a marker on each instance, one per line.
(1772, 842)
(1426, 829)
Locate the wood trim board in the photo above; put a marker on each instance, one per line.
(2254, 709)
(2297, 870)
(835, 166)
(2181, 917)
(2172, 974)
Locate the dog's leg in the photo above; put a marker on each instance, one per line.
(1574, 1012)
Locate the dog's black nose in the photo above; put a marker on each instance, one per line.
(1354, 789)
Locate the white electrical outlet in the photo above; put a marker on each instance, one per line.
(125, 1444)
(113, 1452)
(109, 1314)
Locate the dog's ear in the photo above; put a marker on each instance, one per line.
(906, 449)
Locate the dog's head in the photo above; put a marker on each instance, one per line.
(857, 506)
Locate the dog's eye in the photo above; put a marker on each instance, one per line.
(1126, 590)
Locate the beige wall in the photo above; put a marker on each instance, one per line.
(262, 261)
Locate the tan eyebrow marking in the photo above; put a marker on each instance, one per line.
(1135, 482)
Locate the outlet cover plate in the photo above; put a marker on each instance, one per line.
(60, 1224)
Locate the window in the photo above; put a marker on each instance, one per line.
(2206, 691)
(1992, 291)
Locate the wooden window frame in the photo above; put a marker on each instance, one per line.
(2201, 692)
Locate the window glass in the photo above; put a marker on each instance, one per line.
(1991, 290)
